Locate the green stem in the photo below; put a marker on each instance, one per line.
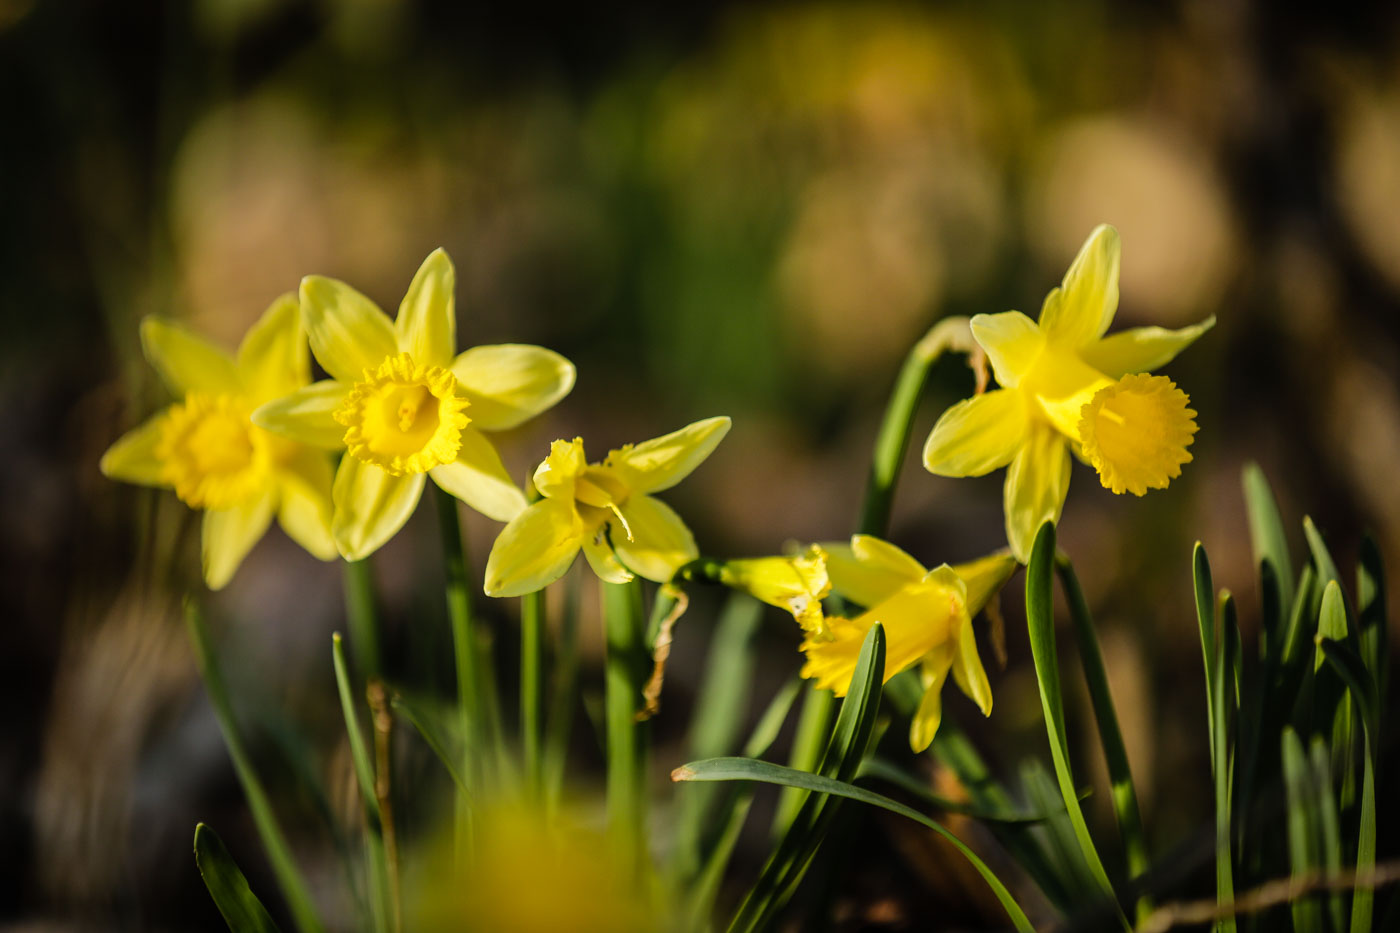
(532, 689)
(622, 614)
(459, 611)
(362, 616)
(1120, 774)
(376, 867)
(289, 877)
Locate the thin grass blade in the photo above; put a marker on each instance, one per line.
(242, 910)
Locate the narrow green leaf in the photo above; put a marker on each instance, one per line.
(1363, 899)
(765, 732)
(1302, 844)
(1205, 620)
(1120, 774)
(436, 728)
(854, 723)
(1328, 825)
(882, 770)
(1299, 631)
(1331, 619)
(1322, 558)
(1057, 834)
(1371, 611)
(1266, 530)
(242, 910)
(747, 769)
(279, 854)
(1223, 709)
(563, 688)
(376, 867)
(1040, 618)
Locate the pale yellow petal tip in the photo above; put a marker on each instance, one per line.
(1136, 431)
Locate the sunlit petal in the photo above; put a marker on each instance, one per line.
(662, 462)
(1036, 486)
(929, 716)
(1141, 349)
(229, 534)
(660, 543)
(306, 415)
(187, 362)
(968, 672)
(479, 479)
(273, 359)
(977, 435)
(1012, 343)
(535, 549)
(426, 327)
(1083, 306)
(869, 570)
(305, 510)
(132, 458)
(348, 332)
(603, 561)
(511, 383)
(371, 505)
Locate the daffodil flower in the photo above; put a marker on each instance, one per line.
(207, 449)
(404, 406)
(1064, 385)
(927, 615)
(606, 510)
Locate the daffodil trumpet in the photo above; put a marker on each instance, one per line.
(1064, 386)
(605, 510)
(927, 615)
(206, 448)
(796, 583)
(404, 405)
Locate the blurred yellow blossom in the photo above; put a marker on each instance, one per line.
(927, 615)
(604, 509)
(1063, 385)
(207, 449)
(404, 406)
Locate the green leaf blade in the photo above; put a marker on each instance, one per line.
(241, 909)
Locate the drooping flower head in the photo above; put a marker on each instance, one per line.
(795, 582)
(606, 510)
(404, 405)
(206, 448)
(1064, 385)
(927, 616)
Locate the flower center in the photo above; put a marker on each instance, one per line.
(404, 417)
(210, 451)
(1135, 432)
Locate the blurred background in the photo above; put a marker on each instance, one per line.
(747, 209)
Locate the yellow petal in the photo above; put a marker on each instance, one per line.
(968, 671)
(479, 479)
(1082, 307)
(304, 511)
(603, 561)
(977, 435)
(929, 716)
(187, 362)
(371, 505)
(511, 383)
(1141, 349)
(348, 332)
(557, 475)
(132, 459)
(1012, 343)
(272, 359)
(984, 578)
(426, 327)
(535, 549)
(229, 534)
(1036, 486)
(870, 570)
(306, 415)
(662, 462)
(660, 544)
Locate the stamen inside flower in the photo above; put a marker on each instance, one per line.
(1136, 431)
(210, 451)
(404, 417)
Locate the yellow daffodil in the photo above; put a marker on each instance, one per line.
(796, 583)
(1065, 385)
(606, 510)
(207, 449)
(404, 405)
(927, 615)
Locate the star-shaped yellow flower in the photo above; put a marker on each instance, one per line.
(1064, 385)
(927, 615)
(207, 449)
(606, 510)
(405, 406)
